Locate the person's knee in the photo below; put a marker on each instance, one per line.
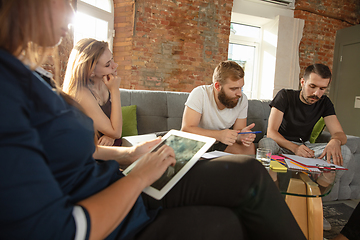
(345, 150)
(346, 153)
(269, 144)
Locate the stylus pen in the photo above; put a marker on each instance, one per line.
(249, 132)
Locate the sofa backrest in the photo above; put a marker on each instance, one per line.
(159, 111)
(156, 111)
(258, 113)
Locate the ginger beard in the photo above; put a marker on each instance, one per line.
(226, 101)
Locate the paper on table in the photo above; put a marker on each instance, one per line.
(276, 166)
(134, 140)
(214, 154)
(312, 162)
(294, 166)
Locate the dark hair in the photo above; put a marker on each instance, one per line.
(227, 69)
(322, 70)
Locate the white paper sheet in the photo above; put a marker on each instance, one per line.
(214, 154)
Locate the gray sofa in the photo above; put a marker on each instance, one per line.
(159, 111)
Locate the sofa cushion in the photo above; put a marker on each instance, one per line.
(129, 127)
(317, 130)
(353, 143)
(258, 113)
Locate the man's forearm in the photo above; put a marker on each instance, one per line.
(282, 142)
(204, 132)
(339, 136)
(111, 153)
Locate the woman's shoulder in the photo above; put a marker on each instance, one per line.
(84, 94)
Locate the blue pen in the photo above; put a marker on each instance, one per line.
(249, 132)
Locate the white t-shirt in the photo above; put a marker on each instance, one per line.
(202, 100)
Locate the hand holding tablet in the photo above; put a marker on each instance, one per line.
(188, 149)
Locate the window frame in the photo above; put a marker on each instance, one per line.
(100, 14)
(252, 42)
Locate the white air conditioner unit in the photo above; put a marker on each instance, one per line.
(284, 3)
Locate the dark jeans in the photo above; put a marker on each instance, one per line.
(351, 229)
(218, 146)
(238, 183)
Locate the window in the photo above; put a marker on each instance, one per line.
(244, 49)
(94, 19)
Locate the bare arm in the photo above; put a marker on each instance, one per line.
(113, 84)
(101, 122)
(338, 138)
(275, 119)
(335, 129)
(190, 123)
(124, 155)
(245, 139)
(110, 206)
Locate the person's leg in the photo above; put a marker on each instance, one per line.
(351, 229)
(194, 223)
(237, 148)
(218, 146)
(269, 143)
(242, 184)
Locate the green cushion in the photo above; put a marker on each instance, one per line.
(317, 130)
(129, 121)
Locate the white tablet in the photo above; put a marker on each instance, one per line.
(188, 148)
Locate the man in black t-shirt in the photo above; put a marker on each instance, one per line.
(294, 114)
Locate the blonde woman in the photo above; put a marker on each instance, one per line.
(52, 188)
(91, 78)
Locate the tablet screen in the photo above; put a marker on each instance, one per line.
(188, 149)
(184, 149)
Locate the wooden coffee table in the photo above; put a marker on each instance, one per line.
(303, 192)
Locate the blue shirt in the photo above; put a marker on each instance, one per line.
(46, 148)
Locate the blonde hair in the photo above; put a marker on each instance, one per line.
(82, 61)
(227, 70)
(25, 30)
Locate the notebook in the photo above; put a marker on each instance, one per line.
(313, 162)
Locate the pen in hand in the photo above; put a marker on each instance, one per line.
(249, 132)
(304, 144)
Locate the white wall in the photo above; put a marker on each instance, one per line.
(258, 9)
(279, 53)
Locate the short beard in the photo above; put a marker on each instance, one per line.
(306, 99)
(227, 102)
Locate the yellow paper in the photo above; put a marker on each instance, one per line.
(276, 166)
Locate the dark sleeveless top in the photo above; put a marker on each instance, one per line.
(106, 108)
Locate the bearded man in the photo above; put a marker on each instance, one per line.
(219, 110)
(295, 112)
(293, 116)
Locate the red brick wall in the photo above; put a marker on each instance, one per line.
(170, 45)
(64, 50)
(175, 44)
(322, 20)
